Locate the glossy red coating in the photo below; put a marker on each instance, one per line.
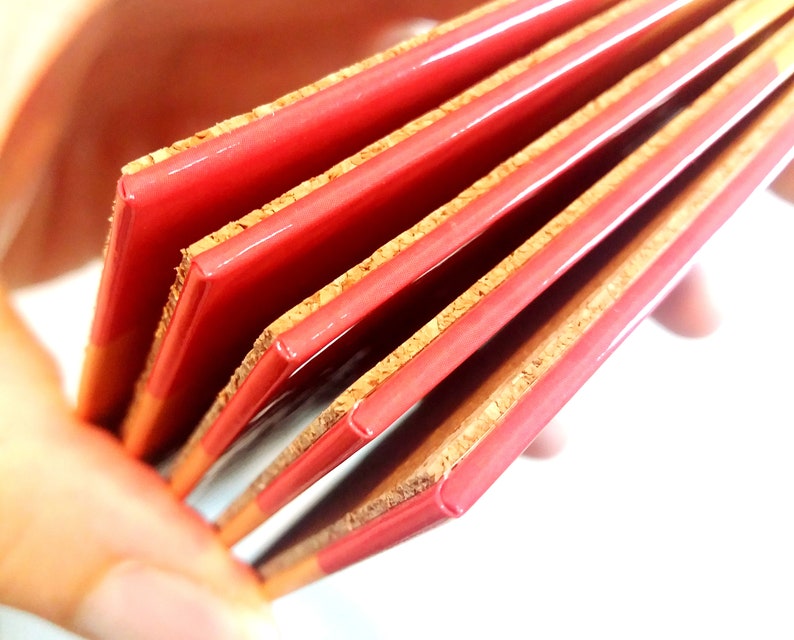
(371, 416)
(234, 289)
(165, 207)
(323, 455)
(518, 428)
(320, 333)
(420, 513)
(469, 480)
(393, 398)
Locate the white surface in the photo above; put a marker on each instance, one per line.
(668, 514)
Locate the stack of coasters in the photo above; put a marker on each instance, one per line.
(454, 235)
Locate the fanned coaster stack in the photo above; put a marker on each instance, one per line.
(426, 254)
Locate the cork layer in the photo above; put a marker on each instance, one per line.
(388, 251)
(591, 303)
(362, 387)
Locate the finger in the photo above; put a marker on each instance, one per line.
(549, 443)
(690, 309)
(92, 540)
(784, 184)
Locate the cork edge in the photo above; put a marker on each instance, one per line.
(236, 227)
(345, 281)
(471, 94)
(682, 212)
(455, 310)
(685, 207)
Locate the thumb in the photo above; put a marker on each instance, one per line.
(91, 539)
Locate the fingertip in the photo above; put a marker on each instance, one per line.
(549, 443)
(690, 309)
(784, 183)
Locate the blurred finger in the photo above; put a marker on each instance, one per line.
(549, 442)
(690, 309)
(784, 184)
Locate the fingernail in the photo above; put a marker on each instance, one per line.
(136, 602)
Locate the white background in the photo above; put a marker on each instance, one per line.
(667, 515)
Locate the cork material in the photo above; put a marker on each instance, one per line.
(617, 277)
(492, 280)
(233, 228)
(634, 260)
(601, 291)
(344, 282)
(241, 120)
(481, 88)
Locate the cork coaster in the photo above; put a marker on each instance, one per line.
(427, 225)
(621, 174)
(235, 227)
(164, 202)
(149, 412)
(589, 292)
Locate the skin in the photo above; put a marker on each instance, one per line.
(90, 539)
